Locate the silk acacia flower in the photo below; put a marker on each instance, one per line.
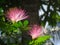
(16, 14)
(36, 31)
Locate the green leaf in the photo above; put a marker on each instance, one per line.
(31, 42)
(21, 24)
(2, 25)
(58, 18)
(1, 10)
(17, 24)
(42, 39)
(15, 31)
(39, 40)
(25, 23)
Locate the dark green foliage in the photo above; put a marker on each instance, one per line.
(25, 23)
(2, 1)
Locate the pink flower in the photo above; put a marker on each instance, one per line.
(15, 14)
(36, 31)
